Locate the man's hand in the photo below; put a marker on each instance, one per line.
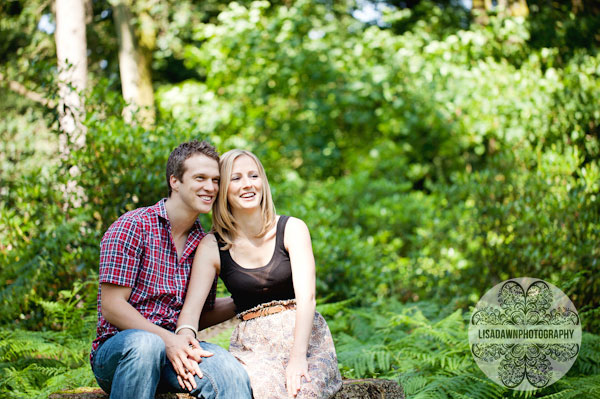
(184, 352)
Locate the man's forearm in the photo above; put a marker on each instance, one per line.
(224, 310)
(122, 315)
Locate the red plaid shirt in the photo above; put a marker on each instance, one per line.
(137, 251)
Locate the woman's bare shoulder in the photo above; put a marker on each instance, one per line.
(296, 225)
(296, 232)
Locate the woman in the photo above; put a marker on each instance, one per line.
(266, 262)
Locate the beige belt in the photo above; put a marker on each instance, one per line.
(267, 311)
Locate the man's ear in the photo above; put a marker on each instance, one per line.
(174, 182)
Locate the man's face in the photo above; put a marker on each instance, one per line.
(199, 185)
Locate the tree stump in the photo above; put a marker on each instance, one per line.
(351, 389)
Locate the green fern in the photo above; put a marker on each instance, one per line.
(425, 347)
(34, 364)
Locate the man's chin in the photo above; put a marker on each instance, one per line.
(204, 208)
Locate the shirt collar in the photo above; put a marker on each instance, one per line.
(161, 211)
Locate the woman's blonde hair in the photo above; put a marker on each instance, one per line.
(222, 218)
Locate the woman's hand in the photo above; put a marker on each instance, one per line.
(184, 352)
(297, 367)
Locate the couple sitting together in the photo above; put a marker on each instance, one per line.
(158, 277)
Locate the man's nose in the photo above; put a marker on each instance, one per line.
(211, 186)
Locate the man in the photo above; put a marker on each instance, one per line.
(145, 262)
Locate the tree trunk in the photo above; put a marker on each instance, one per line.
(480, 8)
(519, 8)
(482, 5)
(71, 51)
(515, 8)
(135, 57)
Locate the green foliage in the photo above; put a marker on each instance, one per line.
(435, 19)
(43, 249)
(431, 158)
(425, 347)
(542, 224)
(425, 106)
(25, 51)
(34, 364)
(565, 26)
(51, 241)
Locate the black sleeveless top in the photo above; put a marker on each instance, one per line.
(251, 287)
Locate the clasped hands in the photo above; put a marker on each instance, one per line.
(184, 352)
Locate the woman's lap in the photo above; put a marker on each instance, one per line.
(263, 345)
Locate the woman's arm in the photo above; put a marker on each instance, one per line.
(206, 264)
(297, 242)
(204, 268)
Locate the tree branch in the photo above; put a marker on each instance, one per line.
(25, 92)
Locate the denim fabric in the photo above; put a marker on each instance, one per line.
(133, 363)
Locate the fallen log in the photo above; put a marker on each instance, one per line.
(370, 389)
(351, 389)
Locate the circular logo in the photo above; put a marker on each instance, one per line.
(525, 334)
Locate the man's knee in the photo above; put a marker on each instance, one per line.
(224, 377)
(229, 366)
(129, 355)
(144, 348)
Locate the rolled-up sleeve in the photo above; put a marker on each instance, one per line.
(121, 253)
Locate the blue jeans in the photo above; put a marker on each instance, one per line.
(133, 363)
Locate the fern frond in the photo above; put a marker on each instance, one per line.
(430, 355)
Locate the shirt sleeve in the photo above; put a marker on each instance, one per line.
(121, 253)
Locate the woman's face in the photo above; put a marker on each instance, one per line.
(245, 188)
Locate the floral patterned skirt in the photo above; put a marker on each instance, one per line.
(263, 346)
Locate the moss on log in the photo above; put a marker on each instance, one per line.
(351, 389)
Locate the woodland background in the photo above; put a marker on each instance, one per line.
(434, 148)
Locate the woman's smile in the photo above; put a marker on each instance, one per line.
(245, 187)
